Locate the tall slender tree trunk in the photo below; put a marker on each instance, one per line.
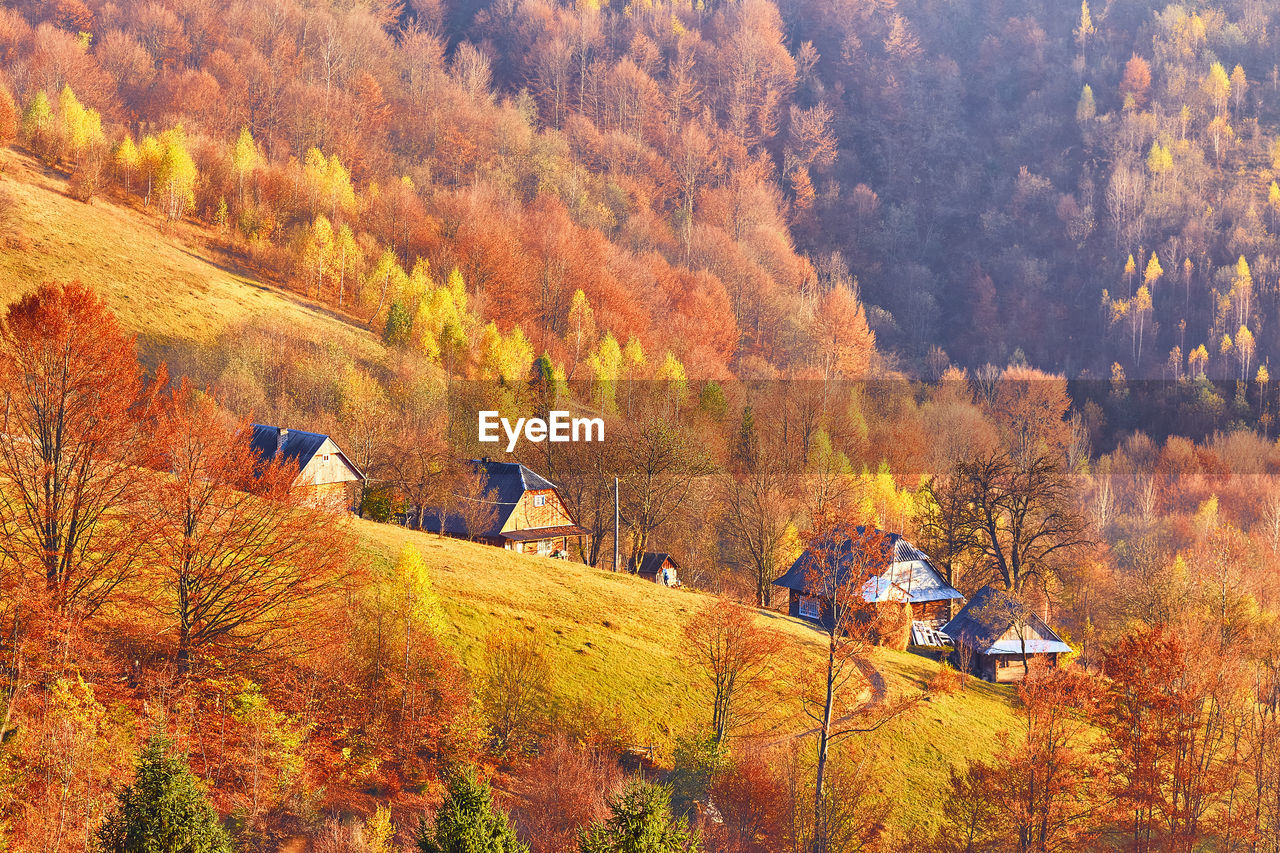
(824, 744)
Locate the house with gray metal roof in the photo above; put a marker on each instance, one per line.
(905, 577)
(528, 514)
(997, 638)
(322, 466)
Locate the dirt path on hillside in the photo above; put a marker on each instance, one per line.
(877, 689)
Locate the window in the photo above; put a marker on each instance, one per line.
(810, 607)
(326, 457)
(539, 500)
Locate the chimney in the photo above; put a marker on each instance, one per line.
(281, 435)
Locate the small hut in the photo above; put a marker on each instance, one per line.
(657, 567)
(997, 639)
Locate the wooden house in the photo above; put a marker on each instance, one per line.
(530, 516)
(991, 638)
(322, 466)
(657, 567)
(904, 579)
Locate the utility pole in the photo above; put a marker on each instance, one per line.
(615, 524)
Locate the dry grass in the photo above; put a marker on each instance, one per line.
(159, 287)
(615, 640)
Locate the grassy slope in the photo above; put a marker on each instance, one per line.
(615, 639)
(158, 287)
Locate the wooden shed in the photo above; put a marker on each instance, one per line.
(657, 567)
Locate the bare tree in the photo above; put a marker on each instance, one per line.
(839, 561)
(659, 465)
(1021, 518)
(477, 503)
(239, 549)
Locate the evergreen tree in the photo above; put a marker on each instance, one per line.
(163, 810)
(640, 822)
(468, 822)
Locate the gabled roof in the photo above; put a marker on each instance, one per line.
(982, 623)
(907, 575)
(506, 483)
(299, 447)
(651, 562)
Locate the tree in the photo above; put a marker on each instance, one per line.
(1166, 717)
(399, 326)
(737, 657)
(37, 124)
(1217, 86)
(244, 161)
(468, 822)
(1244, 350)
(1039, 794)
(73, 447)
(1086, 108)
(944, 533)
(163, 810)
(81, 127)
(176, 173)
(839, 560)
(1022, 516)
(151, 156)
(317, 252)
(1136, 80)
(759, 508)
(240, 549)
(563, 790)
(658, 467)
(127, 160)
(640, 821)
(581, 336)
(516, 691)
(846, 341)
(1086, 28)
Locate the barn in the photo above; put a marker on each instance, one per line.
(322, 467)
(991, 638)
(530, 515)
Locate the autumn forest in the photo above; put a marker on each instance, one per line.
(989, 289)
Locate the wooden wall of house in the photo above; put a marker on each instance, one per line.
(1002, 669)
(321, 471)
(335, 496)
(527, 515)
(931, 611)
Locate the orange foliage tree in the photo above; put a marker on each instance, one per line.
(240, 548)
(72, 446)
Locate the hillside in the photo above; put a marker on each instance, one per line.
(159, 286)
(615, 639)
